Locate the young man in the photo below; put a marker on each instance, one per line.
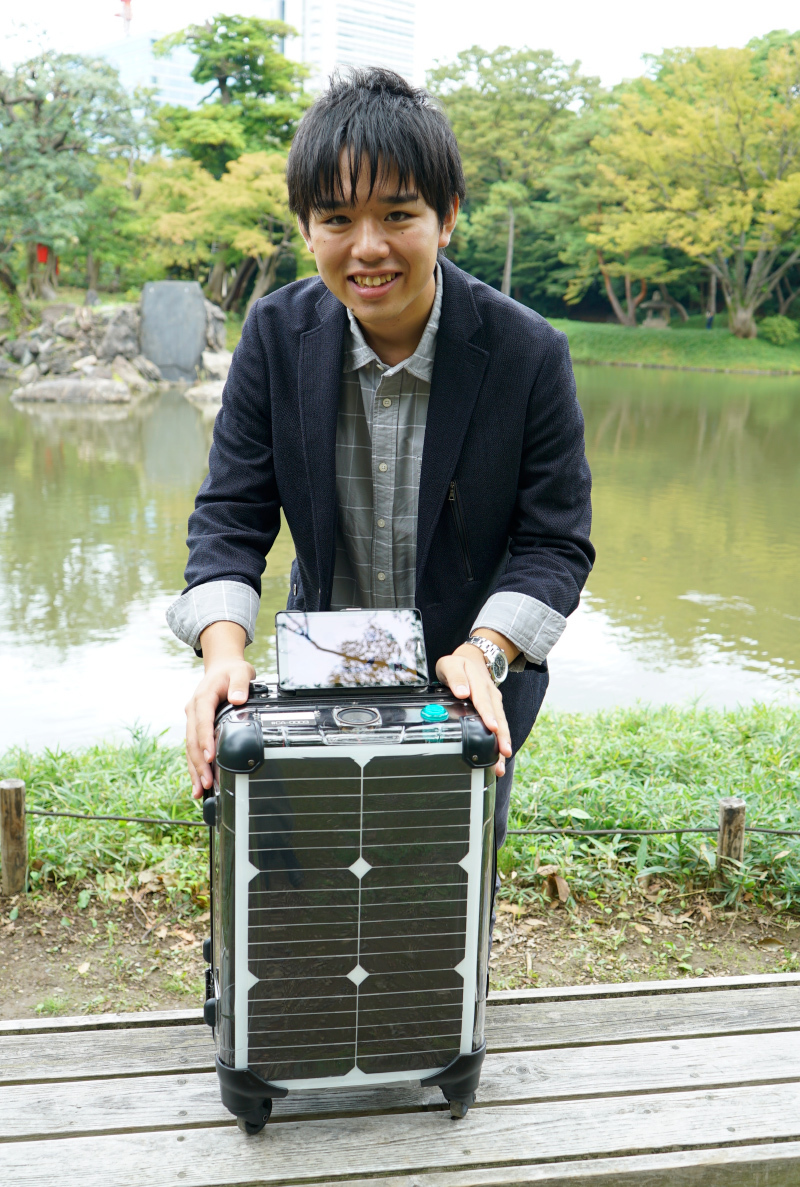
(419, 431)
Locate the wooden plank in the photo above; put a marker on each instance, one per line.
(524, 1027)
(568, 993)
(562, 993)
(772, 1165)
(84, 1022)
(410, 1143)
(169, 1102)
(693, 1015)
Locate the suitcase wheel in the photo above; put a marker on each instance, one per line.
(254, 1121)
(460, 1108)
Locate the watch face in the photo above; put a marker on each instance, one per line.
(499, 666)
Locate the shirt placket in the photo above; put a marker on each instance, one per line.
(385, 419)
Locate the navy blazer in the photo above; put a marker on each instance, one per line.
(503, 422)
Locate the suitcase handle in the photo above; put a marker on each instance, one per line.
(479, 746)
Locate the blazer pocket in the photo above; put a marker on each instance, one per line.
(454, 500)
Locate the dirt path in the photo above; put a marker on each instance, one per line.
(56, 958)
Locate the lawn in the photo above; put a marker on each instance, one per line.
(599, 342)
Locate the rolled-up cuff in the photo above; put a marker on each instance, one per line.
(528, 623)
(216, 601)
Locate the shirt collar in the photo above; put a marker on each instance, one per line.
(420, 364)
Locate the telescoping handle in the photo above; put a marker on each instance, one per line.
(479, 745)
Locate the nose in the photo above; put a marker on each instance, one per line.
(369, 242)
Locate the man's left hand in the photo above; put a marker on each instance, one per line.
(467, 676)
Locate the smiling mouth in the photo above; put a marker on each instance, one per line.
(374, 282)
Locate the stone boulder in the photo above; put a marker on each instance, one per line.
(173, 333)
(215, 327)
(121, 335)
(73, 391)
(215, 364)
(125, 371)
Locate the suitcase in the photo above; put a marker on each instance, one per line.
(352, 872)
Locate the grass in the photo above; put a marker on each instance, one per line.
(656, 768)
(597, 342)
(629, 768)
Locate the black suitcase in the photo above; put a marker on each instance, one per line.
(352, 869)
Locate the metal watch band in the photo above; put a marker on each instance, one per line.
(490, 653)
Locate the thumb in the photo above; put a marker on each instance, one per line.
(239, 679)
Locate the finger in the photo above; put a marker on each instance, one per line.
(200, 709)
(197, 789)
(451, 671)
(239, 682)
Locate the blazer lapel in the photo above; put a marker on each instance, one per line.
(458, 372)
(319, 379)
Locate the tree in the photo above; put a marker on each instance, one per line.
(255, 100)
(60, 114)
(704, 158)
(248, 207)
(506, 108)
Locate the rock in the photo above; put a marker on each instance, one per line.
(173, 333)
(6, 367)
(73, 391)
(83, 318)
(29, 374)
(147, 369)
(215, 327)
(18, 348)
(67, 327)
(91, 297)
(206, 393)
(122, 334)
(87, 363)
(61, 364)
(53, 313)
(216, 364)
(124, 370)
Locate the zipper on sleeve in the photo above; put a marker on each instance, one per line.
(458, 516)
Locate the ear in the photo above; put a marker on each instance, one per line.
(448, 226)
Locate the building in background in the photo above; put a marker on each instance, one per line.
(331, 34)
(171, 77)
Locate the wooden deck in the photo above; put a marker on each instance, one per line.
(680, 1083)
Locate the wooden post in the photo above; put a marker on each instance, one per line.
(730, 839)
(13, 836)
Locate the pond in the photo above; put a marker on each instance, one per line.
(696, 593)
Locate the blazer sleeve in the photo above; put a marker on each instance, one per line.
(550, 555)
(237, 510)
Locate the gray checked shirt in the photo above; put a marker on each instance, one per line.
(380, 433)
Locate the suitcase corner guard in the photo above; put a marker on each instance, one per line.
(240, 746)
(460, 1079)
(246, 1095)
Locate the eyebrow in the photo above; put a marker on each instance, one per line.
(398, 199)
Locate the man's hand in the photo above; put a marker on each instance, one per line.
(466, 675)
(227, 678)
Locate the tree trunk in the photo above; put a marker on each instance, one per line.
(506, 285)
(50, 285)
(33, 283)
(674, 302)
(240, 282)
(624, 318)
(785, 303)
(216, 281)
(711, 312)
(92, 270)
(742, 321)
(267, 270)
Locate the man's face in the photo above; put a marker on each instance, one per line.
(378, 254)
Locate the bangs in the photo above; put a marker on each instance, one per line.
(373, 123)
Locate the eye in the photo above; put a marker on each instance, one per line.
(398, 216)
(337, 220)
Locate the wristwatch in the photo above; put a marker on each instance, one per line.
(495, 658)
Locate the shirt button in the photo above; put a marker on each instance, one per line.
(383, 467)
(387, 403)
(381, 523)
(381, 576)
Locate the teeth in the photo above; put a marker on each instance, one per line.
(374, 281)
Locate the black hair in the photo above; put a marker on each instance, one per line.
(373, 119)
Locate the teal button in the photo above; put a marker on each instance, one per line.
(433, 713)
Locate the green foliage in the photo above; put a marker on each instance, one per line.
(780, 331)
(650, 769)
(256, 98)
(142, 778)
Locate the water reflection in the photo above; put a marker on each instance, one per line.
(697, 525)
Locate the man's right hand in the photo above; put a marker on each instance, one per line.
(227, 678)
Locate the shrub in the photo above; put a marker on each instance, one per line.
(780, 331)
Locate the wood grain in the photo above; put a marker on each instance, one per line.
(567, 993)
(170, 1102)
(84, 1022)
(410, 1143)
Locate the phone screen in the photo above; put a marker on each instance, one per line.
(350, 649)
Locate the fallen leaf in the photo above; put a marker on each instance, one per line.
(546, 871)
(529, 924)
(161, 933)
(770, 942)
(188, 936)
(642, 930)
(780, 856)
(512, 908)
(147, 876)
(562, 888)
(705, 911)
(83, 969)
